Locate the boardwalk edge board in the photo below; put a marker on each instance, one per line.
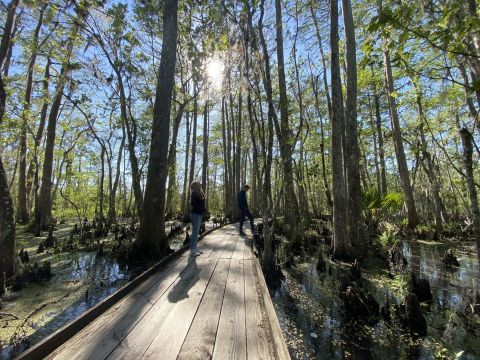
(279, 345)
(56, 339)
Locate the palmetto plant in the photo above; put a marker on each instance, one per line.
(375, 205)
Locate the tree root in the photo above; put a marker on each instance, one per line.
(8, 314)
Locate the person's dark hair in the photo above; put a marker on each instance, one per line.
(197, 187)
(246, 187)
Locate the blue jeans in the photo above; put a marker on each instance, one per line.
(196, 221)
(247, 213)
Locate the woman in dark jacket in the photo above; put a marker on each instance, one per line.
(197, 201)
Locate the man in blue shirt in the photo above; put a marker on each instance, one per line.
(243, 206)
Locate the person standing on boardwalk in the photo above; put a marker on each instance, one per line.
(197, 200)
(243, 206)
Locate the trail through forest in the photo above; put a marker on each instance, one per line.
(356, 125)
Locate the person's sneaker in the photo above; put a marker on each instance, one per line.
(194, 254)
(199, 251)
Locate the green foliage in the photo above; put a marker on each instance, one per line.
(373, 201)
(388, 238)
(311, 235)
(424, 231)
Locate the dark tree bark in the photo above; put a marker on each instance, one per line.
(8, 58)
(101, 186)
(352, 150)
(185, 200)
(172, 163)
(238, 151)
(412, 216)
(226, 163)
(467, 141)
(43, 212)
(112, 209)
(10, 263)
(267, 204)
(151, 235)
(284, 132)
(429, 168)
(23, 213)
(33, 167)
(326, 183)
(186, 214)
(381, 147)
(205, 152)
(131, 128)
(324, 64)
(232, 158)
(342, 247)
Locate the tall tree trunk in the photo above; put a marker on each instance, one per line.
(266, 203)
(286, 138)
(151, 234)
(326, 183)
(324, 63)
(429, 168)
(467, 153)
(352, 150)
(381, 148)
(342, 247)
(205, 151)
(185, 200)
(101, 186)
(23, 213)
(412, 216)
(194, 155)
(172, 164)
(231, 166)
(375, 148)
(226, 170)
(33, 167)
(112, 211)
(232, 149)
(8, 58)
(238, 147)
(10, 263)
(131, 130)
(43, 213)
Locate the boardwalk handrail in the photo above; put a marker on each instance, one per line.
(56, 339)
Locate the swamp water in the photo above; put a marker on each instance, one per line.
(315, 325)
(80, 281)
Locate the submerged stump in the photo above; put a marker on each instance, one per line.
(412, 317)
(421, 288)
(450, 260)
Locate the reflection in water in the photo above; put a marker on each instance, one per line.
(315, 326)
(89, 279)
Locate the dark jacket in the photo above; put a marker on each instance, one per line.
(198, 204)
(242, 200)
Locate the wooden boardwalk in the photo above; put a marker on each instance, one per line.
(212, 306)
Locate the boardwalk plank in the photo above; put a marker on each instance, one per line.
(230, 242)
(101, 337)
(209, 244)
(191, 283)
(230, 342)
(238, 253)
(200, 339)
(258, 344)
(213, 306)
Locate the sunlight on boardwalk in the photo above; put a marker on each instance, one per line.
(195, 308)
